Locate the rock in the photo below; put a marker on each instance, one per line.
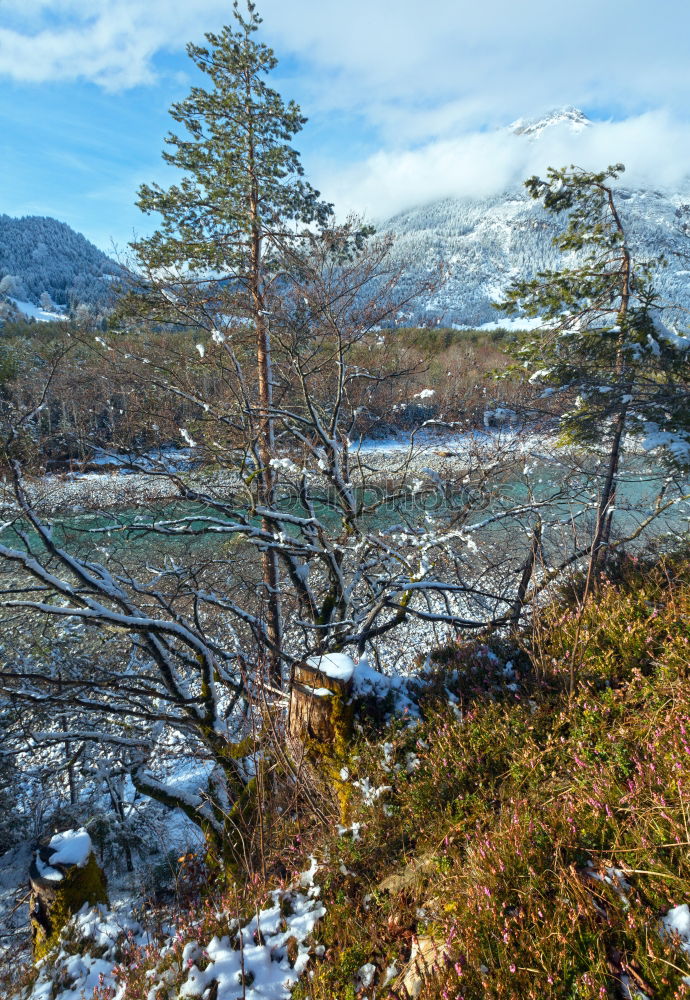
(426, 959)
(408, 876)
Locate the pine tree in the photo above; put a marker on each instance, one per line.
(225, 226)
(601, 350)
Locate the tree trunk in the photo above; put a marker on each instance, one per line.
(526, 576)
(608, 495)
(604, 513)
(269, 560)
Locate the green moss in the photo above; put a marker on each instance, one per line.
(79, 886)
(332, 757)
(341, 719)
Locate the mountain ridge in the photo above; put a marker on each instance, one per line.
(483, 243)
(575, 119)
(46, 262)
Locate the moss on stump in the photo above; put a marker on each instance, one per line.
(54, 900)
(321, 720)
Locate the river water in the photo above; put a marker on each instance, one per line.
(449, 481)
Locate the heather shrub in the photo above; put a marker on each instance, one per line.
(538, 839)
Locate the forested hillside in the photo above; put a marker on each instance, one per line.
(481, 244)
(39, 255)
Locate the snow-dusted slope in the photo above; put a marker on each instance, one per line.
(484, 243)
(573, 118)
(41, 257)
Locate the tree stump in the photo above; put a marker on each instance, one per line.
(319, 702)
(320, 721)
(62, 880)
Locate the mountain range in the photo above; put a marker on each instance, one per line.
(482, 243)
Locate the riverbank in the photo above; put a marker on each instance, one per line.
(152, 478)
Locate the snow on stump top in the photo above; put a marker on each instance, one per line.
(337, 666)
(64, 875)
(320, 716)
(70, 848)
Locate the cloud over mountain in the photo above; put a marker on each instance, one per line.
(655, 148)
(405, 105)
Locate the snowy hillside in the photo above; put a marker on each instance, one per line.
(484, 243)
(47, 267)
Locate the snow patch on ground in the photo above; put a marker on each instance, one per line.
(257, 957)
(261, 960)
(370, 683)
(676, 923)
(35, 312)
(71, 974)
(14, 908)
(509, 323)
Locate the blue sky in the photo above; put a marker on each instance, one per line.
(406, 102)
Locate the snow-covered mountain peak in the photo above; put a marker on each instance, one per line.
(486, 241)
(575, 120)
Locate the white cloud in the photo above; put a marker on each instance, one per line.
(655, 148)
(109, 42)
(384, 55)
(428, 86)
(490, 57)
